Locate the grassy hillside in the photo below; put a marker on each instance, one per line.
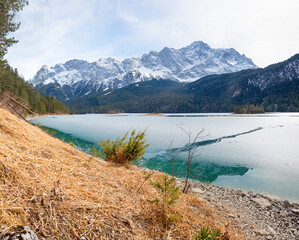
(61, 193)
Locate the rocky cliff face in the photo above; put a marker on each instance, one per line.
(79, 78)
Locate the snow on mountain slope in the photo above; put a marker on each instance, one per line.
(184, 65)
(277, 73)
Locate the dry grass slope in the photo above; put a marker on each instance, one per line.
(62, 194)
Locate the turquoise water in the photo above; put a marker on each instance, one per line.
(250, 152)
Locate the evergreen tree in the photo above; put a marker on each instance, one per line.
(24, 92)
(9, 8)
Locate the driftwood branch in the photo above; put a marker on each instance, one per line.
(19, 114)
(20, 104)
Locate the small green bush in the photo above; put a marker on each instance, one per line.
(207, 234)
(167, 190)
(168, 195)
(124, 150)
(95, 152)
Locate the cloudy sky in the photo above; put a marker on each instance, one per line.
(54, 31)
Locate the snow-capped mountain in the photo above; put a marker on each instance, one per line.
(286, 71)
(276, 87)
(79, 77)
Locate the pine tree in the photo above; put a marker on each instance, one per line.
(9, 8)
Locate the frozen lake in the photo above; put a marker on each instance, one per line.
(250, 152)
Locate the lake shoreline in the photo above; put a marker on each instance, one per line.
(259, 216)
(40, 116)
(213, 171)
(194, 181)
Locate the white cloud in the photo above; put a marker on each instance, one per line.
(54, 31)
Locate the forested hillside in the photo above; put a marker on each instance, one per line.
(12, 83)
(146, 97)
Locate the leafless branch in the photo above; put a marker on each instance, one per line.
(192, 149)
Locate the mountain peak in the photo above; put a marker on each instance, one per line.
(183, 65)
(153, 53)
(45, 67)
(199, 44)
(167, 49)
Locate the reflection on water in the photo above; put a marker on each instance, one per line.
(68, 138)
(201, 171)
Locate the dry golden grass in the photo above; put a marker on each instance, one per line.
(62, 194)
